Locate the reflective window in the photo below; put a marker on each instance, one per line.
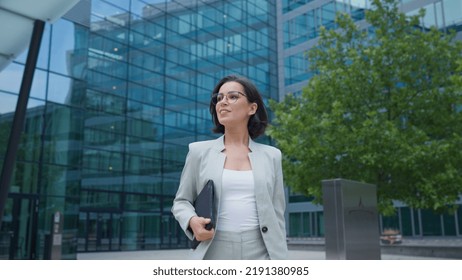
(63, 135)
(297, 69)
(289, 5)
(449, 222)
(43, 58)
(11, 77)
(60, 89)
(431, 223)
(25, 178)
(109, 121)
(30, 146)
(429, 19)
(39, 84)
(295, 224)
(328, 15)
(453, 13)
(442, 14)
(439, 15)
(7, 108)
(112, 10)
(123, 4)
(62, 47)
(459, 218)
(406, 221)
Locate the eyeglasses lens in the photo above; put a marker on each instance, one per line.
(231, 96)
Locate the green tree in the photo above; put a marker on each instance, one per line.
(382, 109)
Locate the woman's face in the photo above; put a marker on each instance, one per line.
(234, 108)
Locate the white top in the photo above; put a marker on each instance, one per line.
(238, 209)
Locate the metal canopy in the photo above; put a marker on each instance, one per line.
(17, 21)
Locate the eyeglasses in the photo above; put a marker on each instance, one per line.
(231, 96)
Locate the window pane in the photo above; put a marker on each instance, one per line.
(11, 77)
(431, 223)
(449, 224)
(452, 12)
(406, 221)
(62, 46)
(60, 87)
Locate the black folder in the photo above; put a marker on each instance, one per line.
(204, 204)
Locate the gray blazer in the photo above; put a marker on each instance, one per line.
(205, 161)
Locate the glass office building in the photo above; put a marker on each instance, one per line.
(299, 23)
(120, 90)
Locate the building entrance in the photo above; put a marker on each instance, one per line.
(99, 231)
(16, 230)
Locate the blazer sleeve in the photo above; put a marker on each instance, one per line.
(279, 201)
(182, 208)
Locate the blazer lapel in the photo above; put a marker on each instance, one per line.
(258, 169)
(215, 165)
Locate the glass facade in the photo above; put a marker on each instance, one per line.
(301, 21)
(120, 90)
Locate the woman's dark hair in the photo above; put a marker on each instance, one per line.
(258, 121)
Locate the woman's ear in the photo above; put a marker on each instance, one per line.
(253, 108)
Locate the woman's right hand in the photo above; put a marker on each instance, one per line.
(197, 224)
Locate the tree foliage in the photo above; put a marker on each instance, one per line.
(383, 108)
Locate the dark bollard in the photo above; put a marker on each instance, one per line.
(350, 220)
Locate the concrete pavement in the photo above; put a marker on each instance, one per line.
(425, 248)
(182, 254)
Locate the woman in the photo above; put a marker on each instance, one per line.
(248, 181)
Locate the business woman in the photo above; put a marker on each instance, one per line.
(249, 194)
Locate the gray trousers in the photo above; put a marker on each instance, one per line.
(247, 245)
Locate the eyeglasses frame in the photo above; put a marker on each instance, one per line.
(215, 95)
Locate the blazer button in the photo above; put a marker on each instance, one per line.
(264, 229)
